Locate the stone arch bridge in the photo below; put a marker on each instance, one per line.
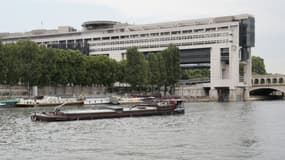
(268, 85)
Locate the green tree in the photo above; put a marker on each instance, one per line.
(12, 65)
(106, 70)
(162, 70)
(171, 57)
(258, 66)
(48, 66)
(136, 68)
(154, 70)
(91, 70)
(29, 55)
(2, 64)
(121, 74)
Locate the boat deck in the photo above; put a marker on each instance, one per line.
(126, 109)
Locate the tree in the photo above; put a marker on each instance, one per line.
(106, 70)
(2, 64)
(121, 74)
(171, 57)
(154, 70)
(48, 63)
(12, 65)
(162, 71)
(136, 68)
(91, 70)
(258, 66)
(29, 55)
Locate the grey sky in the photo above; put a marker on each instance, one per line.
(25, 15)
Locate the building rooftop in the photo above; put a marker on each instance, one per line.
(113, 26)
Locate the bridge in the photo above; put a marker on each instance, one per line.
(262, 87)
(268, 85)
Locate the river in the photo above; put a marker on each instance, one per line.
(216, 131)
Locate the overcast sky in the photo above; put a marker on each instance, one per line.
(25, 15)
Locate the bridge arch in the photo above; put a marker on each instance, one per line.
(273, 91)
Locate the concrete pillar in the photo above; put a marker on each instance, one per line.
(233, 95)
(215, 66)
(35, 91)
(213, 94)
(234, 66)
(246, 94)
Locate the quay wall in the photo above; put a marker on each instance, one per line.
(188, 93)
(64, 91)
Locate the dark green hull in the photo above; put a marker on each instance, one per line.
(8, 103)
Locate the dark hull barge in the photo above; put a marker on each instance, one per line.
(161, 108)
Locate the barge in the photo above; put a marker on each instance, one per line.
(161, 108)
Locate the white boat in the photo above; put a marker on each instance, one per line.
(48, 101)
(97, 100)
(126, 100)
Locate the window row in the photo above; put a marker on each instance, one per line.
(161, 39)
(268, 80)
(160, 45)
(153, 34)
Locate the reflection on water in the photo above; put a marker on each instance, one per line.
(234, 131)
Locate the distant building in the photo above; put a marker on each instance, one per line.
(221, 43)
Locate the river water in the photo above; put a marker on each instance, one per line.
(216, 131)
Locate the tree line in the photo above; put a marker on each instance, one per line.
(30, 64)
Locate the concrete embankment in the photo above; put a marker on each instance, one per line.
(189, 95)
(65, 91)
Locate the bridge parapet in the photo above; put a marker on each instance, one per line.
(268, 80)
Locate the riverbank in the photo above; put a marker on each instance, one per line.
(188, 94)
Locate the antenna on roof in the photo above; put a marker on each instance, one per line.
(42, 24)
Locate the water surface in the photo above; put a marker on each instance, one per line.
(232, 131)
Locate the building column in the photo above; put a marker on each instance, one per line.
(213, 94)
(246, 94)
(215, 66)
(233, 95)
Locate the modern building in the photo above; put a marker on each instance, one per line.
(222, 43)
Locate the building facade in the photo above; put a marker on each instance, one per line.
(222, 43)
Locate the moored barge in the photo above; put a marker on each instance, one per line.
(161, 108)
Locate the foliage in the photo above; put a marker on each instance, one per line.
(196, 73)
(136, 68)
(154, 70)
(29, 64)
(171, 57)
(258, 66)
